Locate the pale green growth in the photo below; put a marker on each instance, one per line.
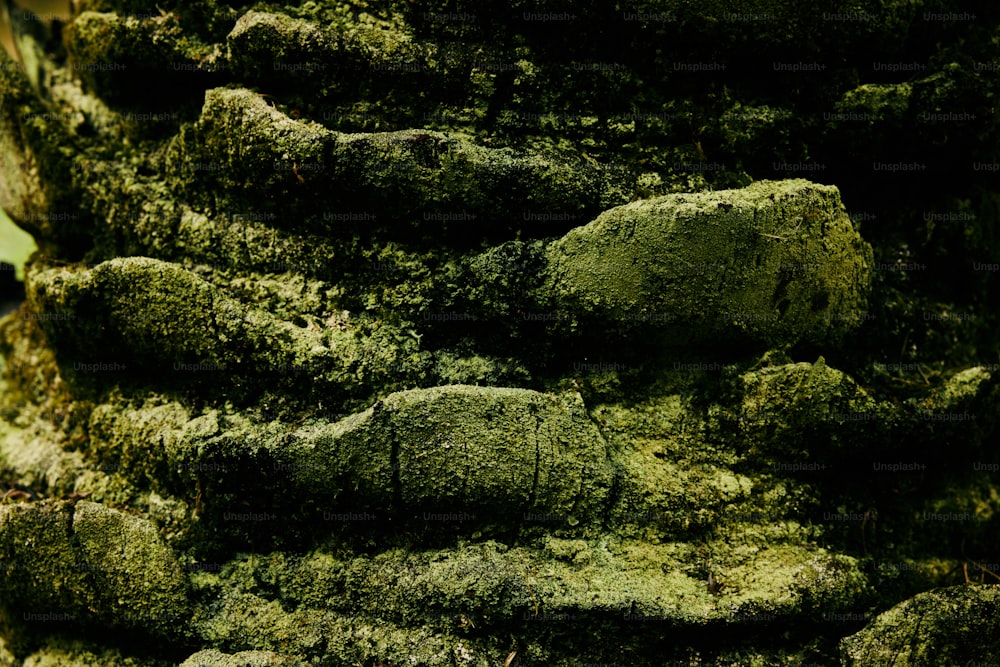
(250, 622)
(775, 262)
(962, 408)
(481, 453)
(963, 387)
(467, 454)
(37, 453)
(457, 448)
(71, 653)
(90, 564)
(945, 626)
(621, 585)
(172, 323)
(41, 567)
(277, 279)
(114, 53)
(310, 51)
(670, 498)
(7, 658)
(793, 410)
(216, 658)
(393, 178)
(885, 103)
(260, 37)
(132, 567)
(31, 373)
(34, 167)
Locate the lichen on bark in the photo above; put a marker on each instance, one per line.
(396, 333)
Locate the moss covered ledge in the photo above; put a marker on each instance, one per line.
(383, 333)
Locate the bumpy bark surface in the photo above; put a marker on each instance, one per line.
(403, 333)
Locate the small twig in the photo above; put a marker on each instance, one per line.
(983, 571)
(873, 515)
(790, 231)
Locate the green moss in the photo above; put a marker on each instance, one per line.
(942, 626)
(80, 654)
(394, 178)
(777, 262)
(673, 498)
(149, 309)
(114, 54)
(318, 57)
(248, 622)
(44, 575)
(960, 388)
(456, 368)
(454, 454)
(323, 225)
(807, 410)
(38, 198)
(533, 592)
(883, 102)
(88, 564)
(6, 657)
(215, 658)
(749, 132)
(40, 460)
(959, 409)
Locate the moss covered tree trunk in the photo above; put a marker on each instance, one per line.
(403, 333)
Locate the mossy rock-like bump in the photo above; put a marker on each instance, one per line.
(456, 448)
(215, 658)
(133, 567)
(42, 571)
(408, 333)
(806, 409)
(776, 262)
(89, 563)
(945, 626)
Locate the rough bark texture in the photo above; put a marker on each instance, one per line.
(403, 333)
